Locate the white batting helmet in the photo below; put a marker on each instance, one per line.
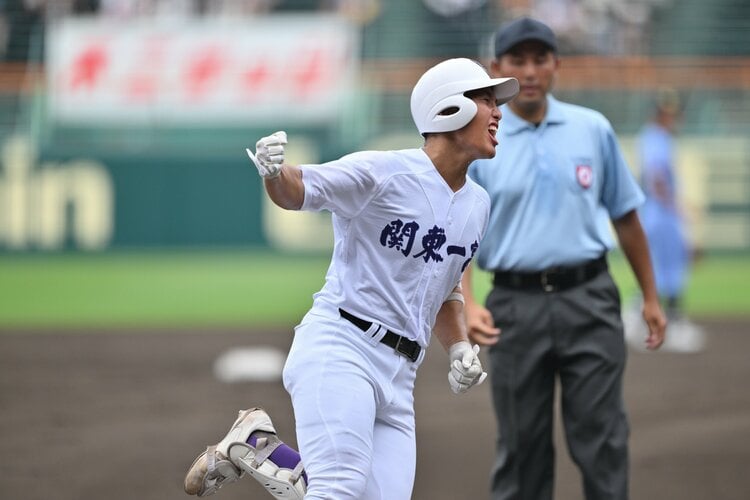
(442, 87)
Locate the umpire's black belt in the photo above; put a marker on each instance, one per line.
(402, 345)
(553, 279)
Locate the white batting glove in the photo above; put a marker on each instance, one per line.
(269, 155)
(465, 367)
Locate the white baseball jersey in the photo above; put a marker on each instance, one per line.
(402, 237)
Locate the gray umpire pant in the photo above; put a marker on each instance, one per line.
(576, 335)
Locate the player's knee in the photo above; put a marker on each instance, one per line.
(340, 488)
(340, 479)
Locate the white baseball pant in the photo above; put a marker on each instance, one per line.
(354, 409)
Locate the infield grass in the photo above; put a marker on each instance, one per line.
(160, 289)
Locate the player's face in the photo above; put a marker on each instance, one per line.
(480, 133)
(535, 66)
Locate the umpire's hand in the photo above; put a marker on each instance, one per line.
(656, 321)
(481, 326)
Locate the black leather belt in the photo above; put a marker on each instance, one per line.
(402, 345)
(553, 279)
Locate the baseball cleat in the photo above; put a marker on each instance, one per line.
(227, 461)
(209, 472)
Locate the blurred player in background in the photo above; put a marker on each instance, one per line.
(554, 309)
(664, 224)
(406, 224)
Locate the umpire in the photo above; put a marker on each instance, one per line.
(559, 181)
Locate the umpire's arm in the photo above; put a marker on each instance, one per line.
(635, 246)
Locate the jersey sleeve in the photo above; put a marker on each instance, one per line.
(620, 193)
(343, 186)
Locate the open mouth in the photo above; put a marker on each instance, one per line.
(493, 133)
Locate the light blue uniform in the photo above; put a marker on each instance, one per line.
(660, 217)
(553, 190)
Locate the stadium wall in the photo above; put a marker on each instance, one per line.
(74, 176)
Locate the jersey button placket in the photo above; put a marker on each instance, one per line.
(449, 215)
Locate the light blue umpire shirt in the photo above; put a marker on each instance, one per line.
(553, 188)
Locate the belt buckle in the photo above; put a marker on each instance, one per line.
(546, 285)
(403, 350)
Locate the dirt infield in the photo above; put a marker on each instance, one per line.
(120, 415)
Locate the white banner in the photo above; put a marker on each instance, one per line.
(289, 68)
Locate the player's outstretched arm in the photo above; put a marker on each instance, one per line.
(287, 190)
(283, 182)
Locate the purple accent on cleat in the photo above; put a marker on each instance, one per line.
(283, 456)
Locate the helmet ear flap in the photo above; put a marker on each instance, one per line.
(442, 120)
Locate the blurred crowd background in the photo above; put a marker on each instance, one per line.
(123, 123)
(439, 27)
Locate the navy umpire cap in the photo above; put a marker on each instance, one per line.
(520, 30)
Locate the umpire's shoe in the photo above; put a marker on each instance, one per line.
(227, 461)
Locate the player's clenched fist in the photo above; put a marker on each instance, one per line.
(269, 154)
(465, 367)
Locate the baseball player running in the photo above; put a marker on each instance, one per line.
(406, 224)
